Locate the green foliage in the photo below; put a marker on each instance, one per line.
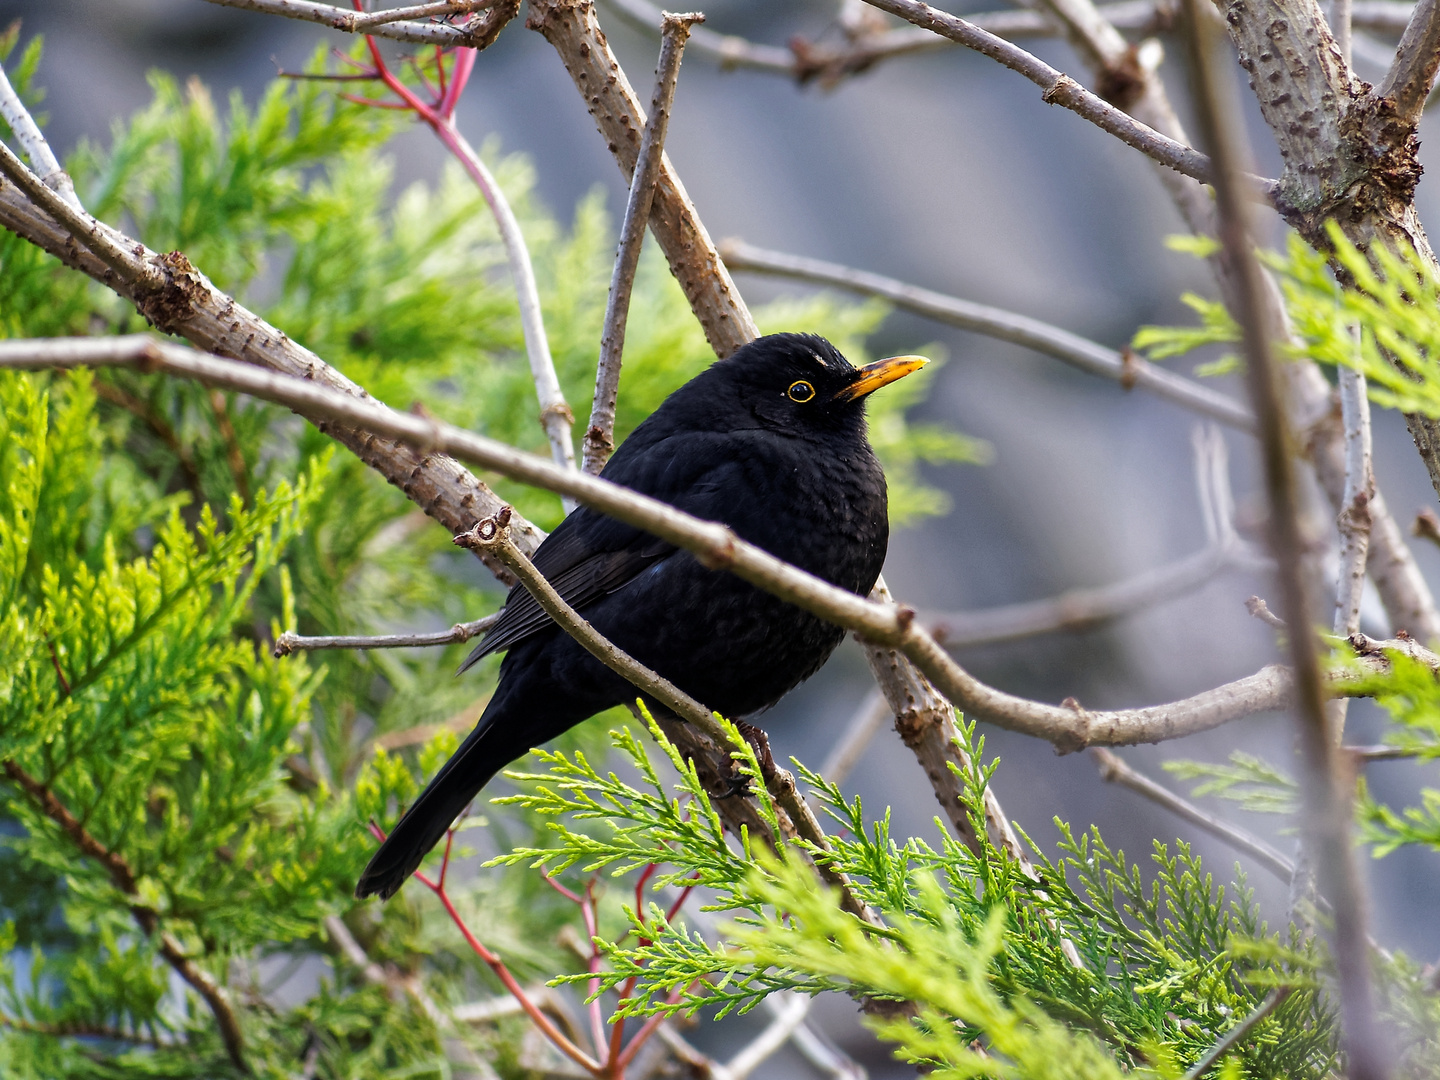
(1256, 785)
(979, 946)
(1216, 328)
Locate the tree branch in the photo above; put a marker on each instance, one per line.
(571, 27)
(477, 34)
(1272, 1001)
(1411, 76)
(1114, 770)
(289, 642)
(1068, 726)
(600, 433)
(1327, 795)
(27, 133)
(185, 303)
(1062, 90)
(1124, 368)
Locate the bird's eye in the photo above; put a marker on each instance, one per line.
(800, 391)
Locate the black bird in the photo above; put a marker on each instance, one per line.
(771, 441)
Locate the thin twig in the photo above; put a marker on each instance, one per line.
(419, 33)
(1353, 522)
(1272, 1001)
(290, 642)
(1124, 368)
(1114, 770)
(600, 432)
(573, 29)
(1068, 726)
(1412, 75)
(27, 133)
(790, 1014)
(366, 23)
(1261, 610)
(1327, 796)
(78, 223)
(1062, 90)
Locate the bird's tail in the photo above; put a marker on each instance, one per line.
(485, 751)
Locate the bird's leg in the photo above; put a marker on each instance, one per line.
(760, 742)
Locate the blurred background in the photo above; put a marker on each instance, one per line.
(947, 171)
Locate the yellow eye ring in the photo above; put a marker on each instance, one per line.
(800, 391)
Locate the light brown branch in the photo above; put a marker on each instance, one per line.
(188, 305)
(1062, 90)
(1126, 369)
(476, 35)
(600, 433)
(1114, 770)
(123, 877)
(32, 142)
(1327, 795)
(571, 27)
(829, 64)
(289, 642)
(1068, 726)
(1412, 75)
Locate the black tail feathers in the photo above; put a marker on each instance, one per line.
(421, 827)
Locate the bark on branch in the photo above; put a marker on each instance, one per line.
(1068, 726)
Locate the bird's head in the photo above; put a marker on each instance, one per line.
(801, 381)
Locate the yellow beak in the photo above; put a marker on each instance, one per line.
(874, 376)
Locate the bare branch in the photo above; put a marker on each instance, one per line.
(27, 133)
(1114, 770)
(1124, 368)
(1354, 518)
(555, 415)
(1062, 90)
(570, 26)
(1261, 610)
(1381, 15)
(1342, 17)
(475, 35)
(80, 225)
(1327, 795)
(185, 303)
(600, 432)
(1411, 76)
(289, 642)
(828, 64)
(891, 626)
(1232, 1038)
(790, 1013)
(365, 23)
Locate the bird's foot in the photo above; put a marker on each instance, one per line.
(760, 743)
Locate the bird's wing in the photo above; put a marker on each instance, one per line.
(589, 555)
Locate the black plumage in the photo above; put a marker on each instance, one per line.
(771, 441)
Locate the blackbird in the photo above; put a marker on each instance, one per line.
(771, 441)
